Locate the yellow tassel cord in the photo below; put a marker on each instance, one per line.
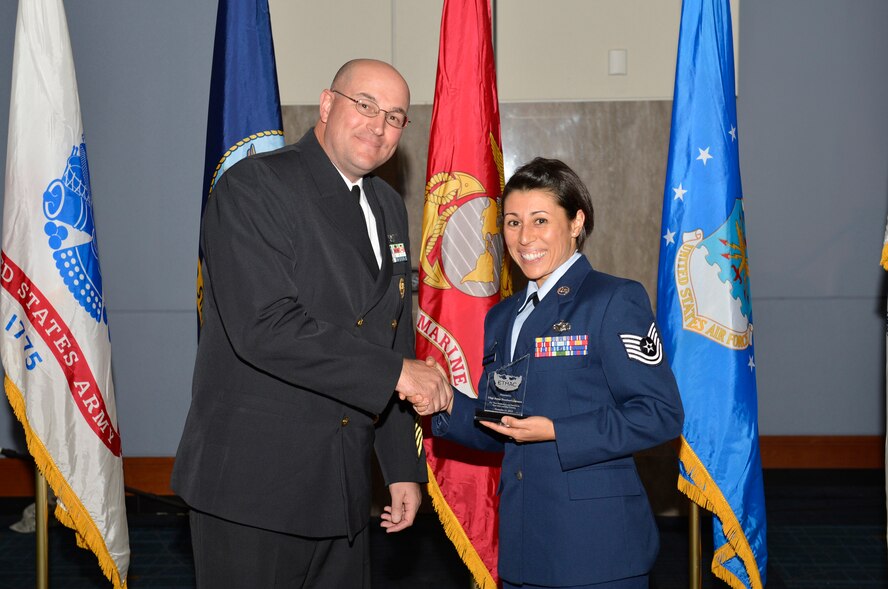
(885, 253)
(75, 515)
(705, 493)
(458, 537)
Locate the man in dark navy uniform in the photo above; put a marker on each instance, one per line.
(305, 362)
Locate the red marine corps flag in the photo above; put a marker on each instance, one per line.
(54, 338)
(462, 269)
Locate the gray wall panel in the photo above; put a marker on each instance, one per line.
(813, 145)
(819, 364)
(814, 158)
(152, 361)
(143, 70)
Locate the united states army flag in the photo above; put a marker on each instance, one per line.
(55, 347)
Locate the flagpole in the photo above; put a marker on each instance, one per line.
(474, 584)
(42, 523)
(694, 550)
(493, 29)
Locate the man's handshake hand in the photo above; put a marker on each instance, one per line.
(425, 385)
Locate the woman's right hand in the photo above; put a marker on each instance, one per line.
(524, 429)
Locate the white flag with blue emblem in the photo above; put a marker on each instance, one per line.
(54, 341)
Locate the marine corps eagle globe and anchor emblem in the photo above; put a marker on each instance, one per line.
(461, 215)
(462, 254)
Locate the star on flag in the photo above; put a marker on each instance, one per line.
(679, 193)
(670, 236)
(704, 155)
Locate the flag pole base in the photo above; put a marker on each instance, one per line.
(41, 511)
(695, 576)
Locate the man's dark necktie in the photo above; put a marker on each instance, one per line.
(362, 237)
(356, 200)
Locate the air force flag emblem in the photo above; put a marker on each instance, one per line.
(712, 275)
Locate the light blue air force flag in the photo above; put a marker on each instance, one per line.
(244, 115)
(703, 299)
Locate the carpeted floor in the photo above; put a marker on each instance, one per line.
(826, 530)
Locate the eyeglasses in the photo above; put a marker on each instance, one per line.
(396, 119)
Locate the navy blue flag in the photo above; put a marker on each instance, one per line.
(703, 299)
(245, 109)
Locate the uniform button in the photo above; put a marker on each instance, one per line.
(344, 421)
(519, 475)
(375, 419)
(360, 322)
(394, 323)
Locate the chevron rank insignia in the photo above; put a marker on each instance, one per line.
(644, 348)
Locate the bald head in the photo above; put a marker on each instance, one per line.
(358, 143)
(344, 75)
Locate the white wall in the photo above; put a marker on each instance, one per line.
(546, 50)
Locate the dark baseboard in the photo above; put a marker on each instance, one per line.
(152, 474)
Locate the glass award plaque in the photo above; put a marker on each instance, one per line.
(506, 388)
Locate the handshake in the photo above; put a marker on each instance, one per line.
(425, 385)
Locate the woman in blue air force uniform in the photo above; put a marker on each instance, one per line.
(573, 512)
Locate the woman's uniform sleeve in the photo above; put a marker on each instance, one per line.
(646, 409)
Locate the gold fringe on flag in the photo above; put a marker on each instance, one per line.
(705, 492)
(884, 261)
(458, 537)
(885, 252)
(73, 515)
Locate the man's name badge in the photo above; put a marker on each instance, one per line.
(506, 388)
(399, 252)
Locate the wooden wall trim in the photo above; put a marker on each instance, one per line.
(16, 478)
(823, 451)
(152, 474)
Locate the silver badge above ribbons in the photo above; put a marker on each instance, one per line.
(561, 326)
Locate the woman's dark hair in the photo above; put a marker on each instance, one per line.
(556, 177)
